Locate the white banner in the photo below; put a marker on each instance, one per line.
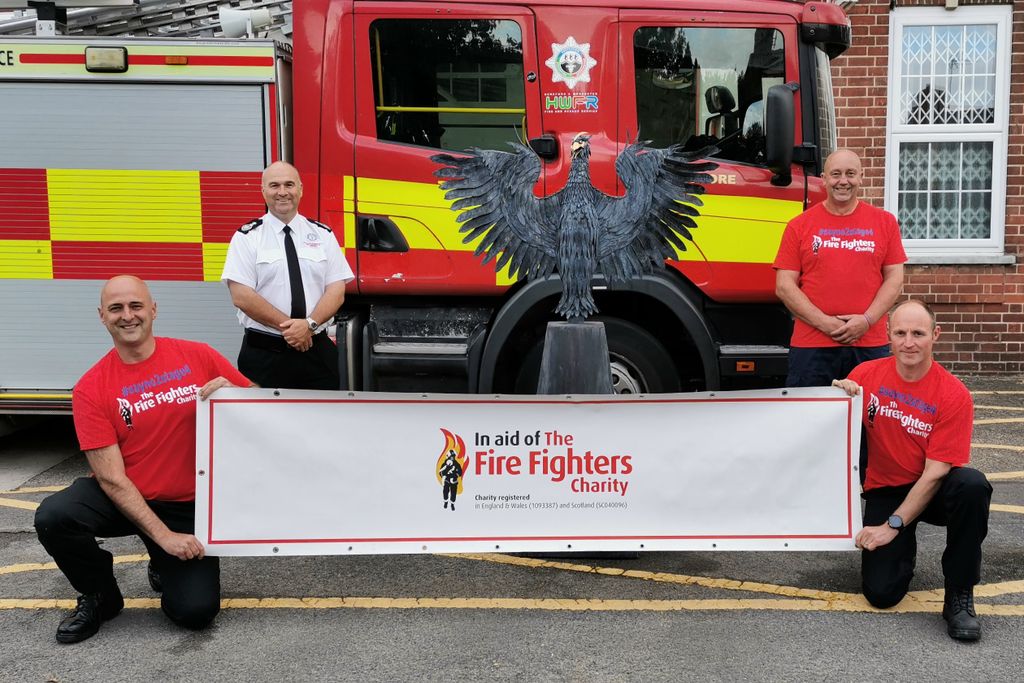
(316, 472)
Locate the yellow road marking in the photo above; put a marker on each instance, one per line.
(981, 590)
(43, 566)
(984, 590)
(34, 489)
(992, 590)
(998, 408)
(1005, 475)
(1000, 421)
(546, 604)
(660, 577)
(996, 393)
(998, 446)
(797, 599)
(1019, 509)
(22, 504)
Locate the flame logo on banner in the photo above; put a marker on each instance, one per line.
(451, 466)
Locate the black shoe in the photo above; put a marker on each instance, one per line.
(958, 611)
(154, 578)
(92, 610)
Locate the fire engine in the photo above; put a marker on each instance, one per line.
(143, 156)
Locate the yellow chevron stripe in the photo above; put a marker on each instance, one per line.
(100, 205)
(214, 254)
(730, 229)
(348, 193)
(28, 259)
(349, 234)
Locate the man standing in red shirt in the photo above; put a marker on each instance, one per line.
(917, 423)
(135, 417)
(838, 270)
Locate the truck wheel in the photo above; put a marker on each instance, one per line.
(640, 364)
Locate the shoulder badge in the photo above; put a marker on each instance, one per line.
(250, 226)
(318, 223)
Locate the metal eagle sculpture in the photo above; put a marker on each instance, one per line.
(579, 230)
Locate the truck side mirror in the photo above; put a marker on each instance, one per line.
(778, 131)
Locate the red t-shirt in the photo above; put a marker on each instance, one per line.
(148, 410)
(908, 422)
(840, 260)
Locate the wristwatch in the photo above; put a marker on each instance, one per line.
(895, 522)
(312, 325)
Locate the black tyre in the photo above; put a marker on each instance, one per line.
(640, 364)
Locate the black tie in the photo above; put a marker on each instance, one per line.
(294, 276)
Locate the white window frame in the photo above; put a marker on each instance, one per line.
(952, 250)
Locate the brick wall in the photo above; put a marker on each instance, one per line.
(980, 308)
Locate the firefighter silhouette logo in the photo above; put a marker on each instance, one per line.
(125, 409)
(816, 244)
(451, 467)
(873, 406)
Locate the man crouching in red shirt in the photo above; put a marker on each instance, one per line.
(917, 420)
(135, 417)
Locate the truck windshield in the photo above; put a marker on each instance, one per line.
(696, 86)
(449, 84)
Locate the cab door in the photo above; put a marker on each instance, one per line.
(432, 79)
(700, 79)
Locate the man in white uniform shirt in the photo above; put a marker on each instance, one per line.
(287, 276)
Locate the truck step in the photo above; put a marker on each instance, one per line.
(753, 360)
(423, 348)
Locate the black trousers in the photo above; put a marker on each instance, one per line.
(960, 505)
(69, 521)
(818, 366)
(279, 366)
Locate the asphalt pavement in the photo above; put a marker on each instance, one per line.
(706, 616)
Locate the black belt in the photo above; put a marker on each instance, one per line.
(266, 341)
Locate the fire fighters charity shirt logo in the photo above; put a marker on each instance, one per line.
(570, 62)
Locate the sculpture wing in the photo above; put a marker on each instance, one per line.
(653, 219)
(492, 192)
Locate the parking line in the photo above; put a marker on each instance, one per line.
(46, 566)
(996, 476)
(21, 504)
(857, 604)
(793, 599)
(998, 446)
(33, 489)
(660, 577)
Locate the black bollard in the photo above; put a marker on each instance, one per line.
(575, 359)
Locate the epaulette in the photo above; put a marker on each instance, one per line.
(251, 225)
(319, 223)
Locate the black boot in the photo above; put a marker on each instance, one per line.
(154, 578)
(92, 610)
(958, 611)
